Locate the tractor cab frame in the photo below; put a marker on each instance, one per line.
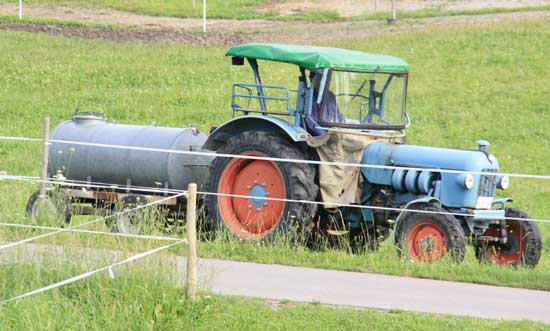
(369, 102)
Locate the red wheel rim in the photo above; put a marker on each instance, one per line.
(251, 218)
(509, 253)
(426, 242)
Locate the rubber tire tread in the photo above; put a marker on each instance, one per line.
(452, 230)
(67, 205)
(299, 179)
(130, 201)
(532, 239)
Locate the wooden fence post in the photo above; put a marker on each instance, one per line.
(45, 156)
(192, 242)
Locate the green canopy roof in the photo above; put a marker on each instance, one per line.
(313, 57)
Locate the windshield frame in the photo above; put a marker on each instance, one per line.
(366, 126)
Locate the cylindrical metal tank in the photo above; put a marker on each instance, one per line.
(127, 166)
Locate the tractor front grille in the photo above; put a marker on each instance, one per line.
(488, 185)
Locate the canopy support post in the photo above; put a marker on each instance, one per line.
(257, 79)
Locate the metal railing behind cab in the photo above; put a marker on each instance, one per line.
(250, 89)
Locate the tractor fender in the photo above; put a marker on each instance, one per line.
(411, 205)
(239, 125)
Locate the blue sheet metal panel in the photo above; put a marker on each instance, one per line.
(451, 191)
(378, 153)
(253, 123)
(444, 158)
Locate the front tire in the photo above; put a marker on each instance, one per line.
(428, 237)
(524, 243)
(260, 218)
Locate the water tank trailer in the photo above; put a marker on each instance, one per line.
(96, 177)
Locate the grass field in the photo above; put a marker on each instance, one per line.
(140, 300)
(487, 81)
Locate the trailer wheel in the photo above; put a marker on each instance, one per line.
(56, 210)
(428, 237)
(523, 247)
(128, 219)
(260, 218)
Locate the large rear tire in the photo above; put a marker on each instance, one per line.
(259, 218)
(428, 237)
(524, 243)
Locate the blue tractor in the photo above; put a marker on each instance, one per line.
(350, 108)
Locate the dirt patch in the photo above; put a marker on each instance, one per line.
(316, 33)
(352, 8)
(126, 35)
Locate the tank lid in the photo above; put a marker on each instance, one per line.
(89, 117)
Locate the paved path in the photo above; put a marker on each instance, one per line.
(376, 291)
(331, 287)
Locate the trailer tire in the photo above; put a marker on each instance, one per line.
(524, 244)
(428, 237)
(58, 204)
(128, 219)
(261, 218)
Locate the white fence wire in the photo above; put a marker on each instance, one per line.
(90, 273)
(114, 234)
(301, 161)
(177, 193)
(26, 240)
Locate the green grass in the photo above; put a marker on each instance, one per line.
(139, 300)
(33, 20)
(467, 83)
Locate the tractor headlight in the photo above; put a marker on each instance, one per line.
(469, 182)
(504, 183)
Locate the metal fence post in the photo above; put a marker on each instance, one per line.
(45, 152)
(192, 242)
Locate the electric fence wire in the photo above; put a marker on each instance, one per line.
(115, 234)
(90, 273)
(335, 204)
(181, 193)
(301, 161)
(103, 218)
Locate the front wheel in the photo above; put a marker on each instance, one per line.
(522, 247)
(250, 197)
(429, 236)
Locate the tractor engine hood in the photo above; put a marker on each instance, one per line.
(448, 187)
